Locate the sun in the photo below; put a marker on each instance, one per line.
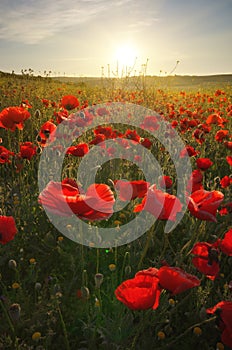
(126, 55)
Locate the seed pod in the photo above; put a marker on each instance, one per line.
(14, 312)
(98, 280)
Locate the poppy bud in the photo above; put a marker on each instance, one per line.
(14, 312)
(12, 264)
(38, 286)
(98, 280)
(127, 270)
(85, 294)
(37, 113)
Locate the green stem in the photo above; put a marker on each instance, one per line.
(10, 324)
(166, 346)
(64, 329)
(147, 244)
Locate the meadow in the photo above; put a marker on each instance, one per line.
(163, 290)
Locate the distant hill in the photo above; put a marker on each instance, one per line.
(172, 81)
(177, 81)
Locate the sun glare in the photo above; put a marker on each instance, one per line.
(126, 56)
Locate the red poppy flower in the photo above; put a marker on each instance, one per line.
(27, 150)
(195, 181)
(199, 134)
(226, 209)
(46, 130)
(165, 182)
(98, 139)
(226, 181)
(139, 293)
(150, 122)
(5, 155)
(224, 311)
(102, 111)
(107, 131)
(146, 143)
(226, 243)
(214, 119)
(96, 204)
(176, 280)
(7, 229)
(204, 163)
(221, 135)
(132, 135)
(61, 116)
(206, 259)
(229, 160)
(69, 102)
(162, 205)
(129, 190)
(188, 151)
(79, 150)
(228, 144)
(45, 102)
(13, 117)
(204, 204)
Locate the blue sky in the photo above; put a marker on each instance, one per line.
(78, 37)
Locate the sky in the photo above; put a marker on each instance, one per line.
(114, 38)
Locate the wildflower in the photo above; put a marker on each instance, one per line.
(60, 239)
(112, 267)
(172, 302)
(229, 160)
(214, 119)
(132, 135)
(221, 135)
(97, 303)
(206, 259)
(176, 280)
(47, 130)
(226, 243)
(27, 150)
(140, 293)
(162, 205)
(5, 155)
(7, 229)
(188, 151)
(165, 182)
(226, 181)
(195, 181)
(15, 285)
(13, 117)
(150, 122)
(32, 261)
(204, 204)
(204, 163)
(36, 336)
(79, 150)
(129, 190)
(66, 200)
(69, 102)
(223, 310)
(106, 131)
(161, 335)
(219, 346)
(197, 331)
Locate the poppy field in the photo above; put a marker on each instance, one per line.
(147, 289)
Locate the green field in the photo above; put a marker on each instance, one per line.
(50, 297)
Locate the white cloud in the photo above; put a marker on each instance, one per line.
(31, 21)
